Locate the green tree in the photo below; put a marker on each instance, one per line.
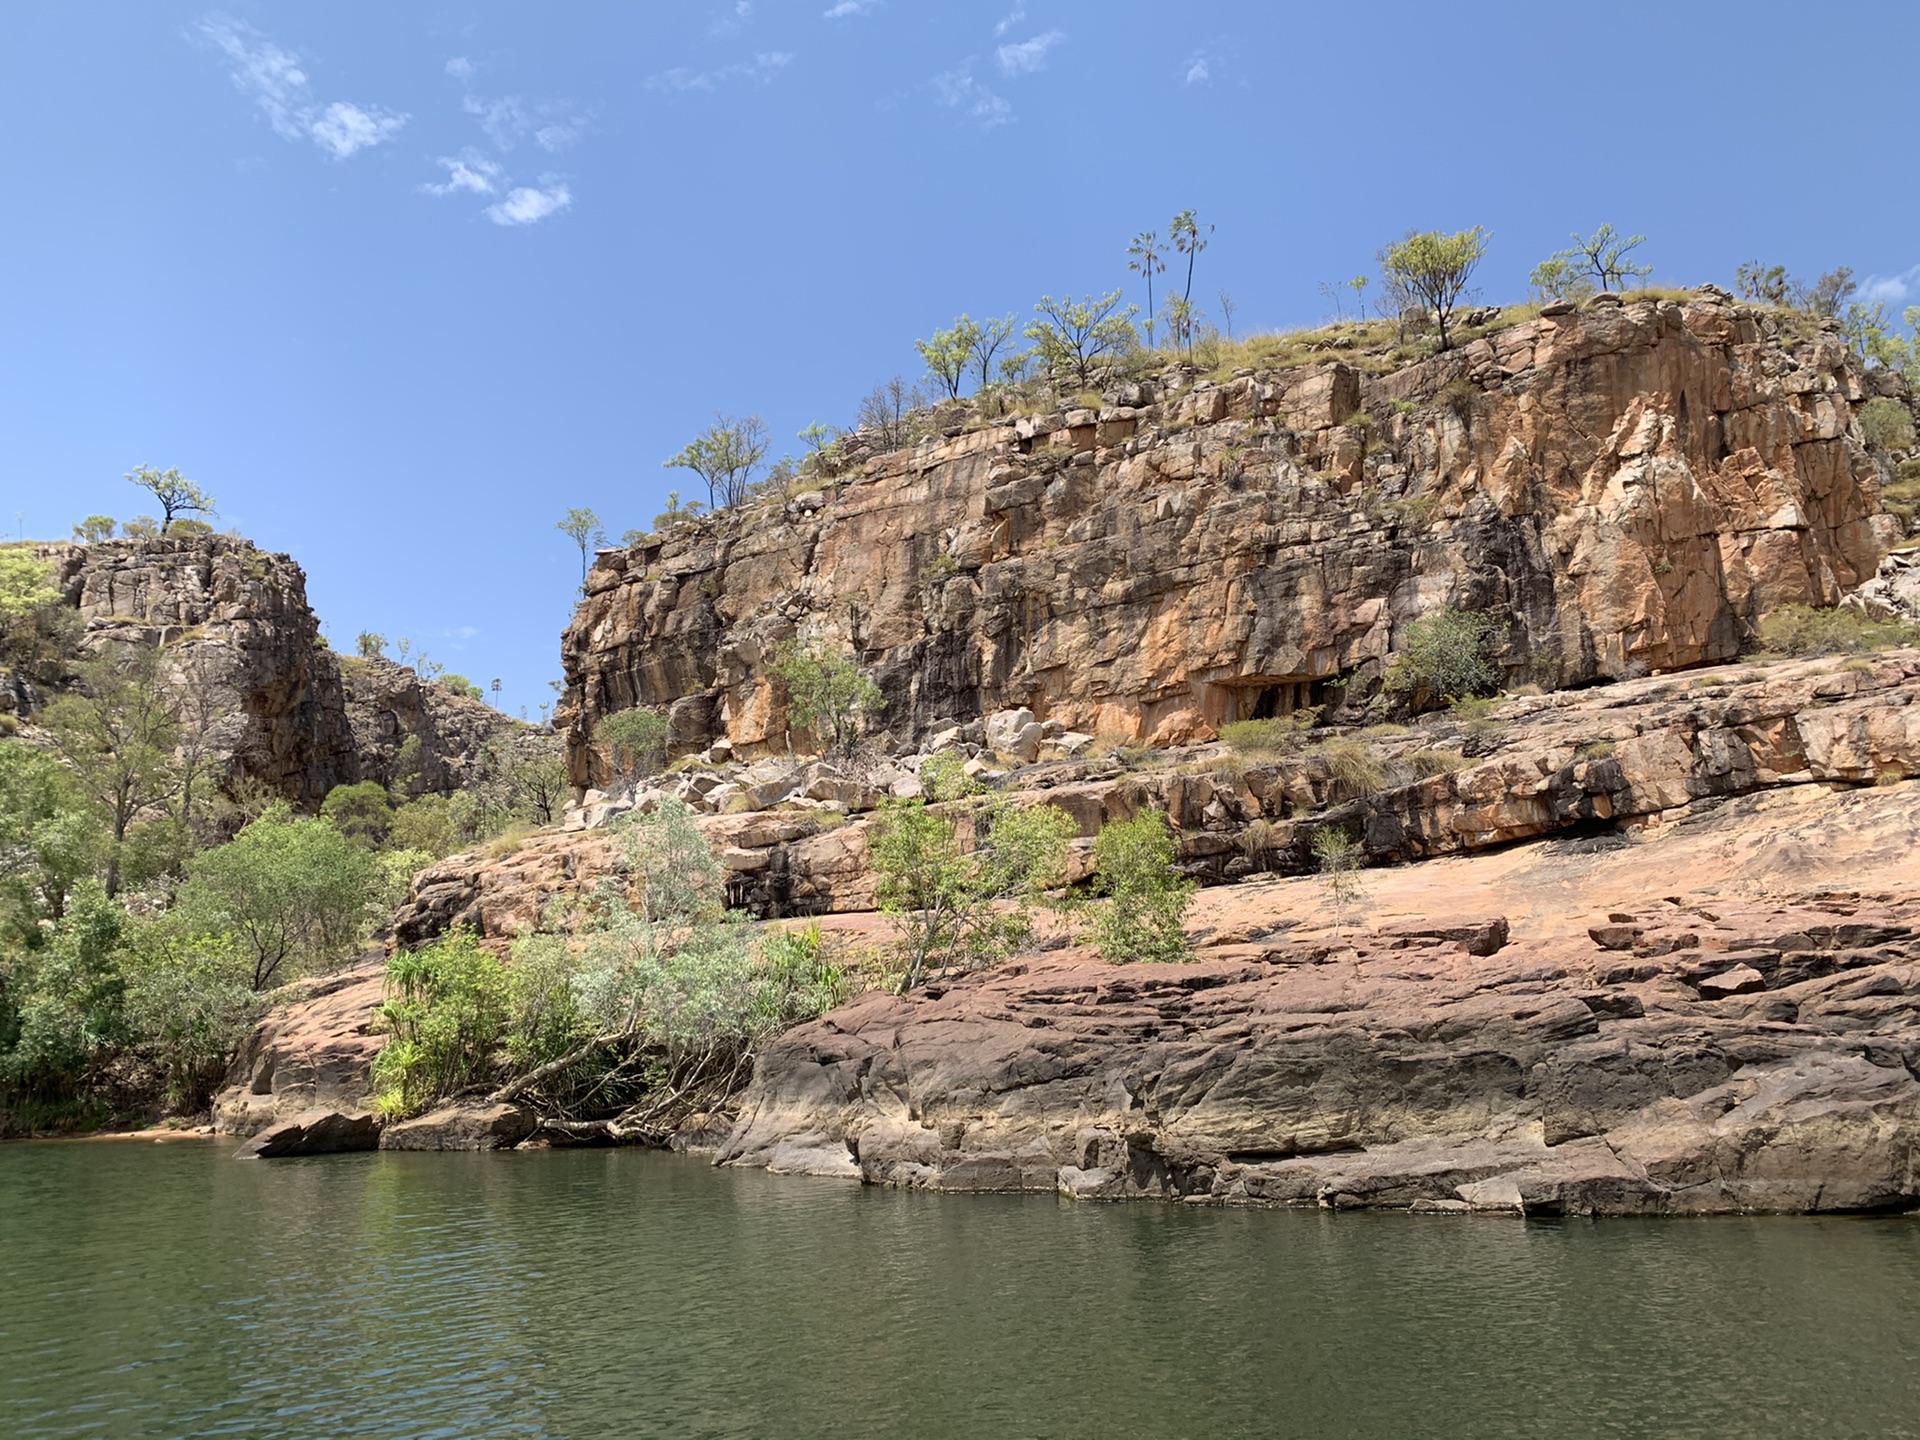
(1148, 260)
(1339, 858)
(1146, 897)
(118, 732)
(1886, 424)
(955, 906)
(176, 495)
(1074, 335)
(725, 455)
(828, 695)
(1558, 278)
(424, 825)
(1762, 284)
(1445, 657)
(361, 812)
(1827, 296)
(948, 352)
(63, 1002)
(93, 529)
(188, 1006)
(448, 1004)
(635, 741)
(292, 893)
(370, 645)
(993, 334)
(583, 528)
(1434, 269)
(1189, 239)
(48, 842)
(1603, 255)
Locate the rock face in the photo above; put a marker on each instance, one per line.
(309, 1055)
(313, 1132)
(253, 672)
(1579, 762)
(461, 1127)
(1734, 1046)
(1627, 489)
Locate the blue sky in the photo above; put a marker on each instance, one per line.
(401, 283)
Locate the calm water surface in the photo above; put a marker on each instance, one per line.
(165, 1290)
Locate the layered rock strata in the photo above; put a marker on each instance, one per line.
(1626, 489)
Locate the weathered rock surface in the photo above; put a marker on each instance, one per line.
(312, 1053)
(1630, 488)
(253, 676)
(461, 1127)
(1293, 1063)
(313, 1132)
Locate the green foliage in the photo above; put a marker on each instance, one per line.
(1445, 656)
(188, 1005)
(1433, 269)
(458, 684)
(1887, 424)
(1762, 284)
(1072, 336)
(361, 812)
(94, 529)
(1808, 630)
(949, 352)
(635, 741)
(292, 892)
(675, 514)
(424, 825)
(1339, 858)
(1146, 897)
(1558, 278)
(370, 645)
(176, 495)
(38, 628)
(943, 777)
(63, 1001)
(583, 528)
(1271, 736)
(1352, 767)
(1601, 259)
(48, 841)
(1147, 259)
(447, 1010)
(828, 695)
(945, 898)
(26, 585)
(725, 455)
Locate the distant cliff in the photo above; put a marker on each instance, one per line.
(1626, 488)
(246, 647)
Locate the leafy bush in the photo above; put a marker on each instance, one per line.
(1355, 771)
(1887, 424)
(1339, 857)
(635, 741)
(447, 1009)
(360, 812)
(1445, 656)
(1808, 630)
(1146, 897)
(828, 695)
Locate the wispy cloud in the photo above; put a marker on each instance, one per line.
(507, 121)
(1197, 71)
(1029, 55)
(958, 90)
(731, 22)
(529, 205)
(469, 172)
(1014, 17)
(462, 69)
(1891, 289)
(759, 71)
(273, 78)
(848, 8)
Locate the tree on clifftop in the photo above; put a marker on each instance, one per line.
(948, 352)
(1071, 336)
(725, 455)
(176, 494)
(583, 528)
(1434, 269)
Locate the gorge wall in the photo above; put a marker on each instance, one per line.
(1627, 488)
(252, 671)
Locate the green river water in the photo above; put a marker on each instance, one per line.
(166, 1290)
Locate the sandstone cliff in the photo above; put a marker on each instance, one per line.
(1628, 489)
(253, 671)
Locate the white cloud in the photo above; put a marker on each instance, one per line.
(1029, 55)
(462, 69)
(851, 7)
(1891, 289)
(469, 171)
(507, 121)
(1197, 72)
(279, 86)
(1008, 21)
(732, 22)
(760, 71)
(958, 90)
(528, 205)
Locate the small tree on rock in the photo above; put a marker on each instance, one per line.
(1434, 269)
(827, 694)
(1074, 335)
(635, 741)
(948, 352)
(725, 455)
(1146, 897)
(583, 528)
(1602, 257)
(177, 495)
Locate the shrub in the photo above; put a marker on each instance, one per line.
(635, 741)
(1339, 858)
(360, 812)
(1887, 424)
(1807, 630)
(1146, 897)
(828, 695)
(1444, 657)
(447, 1008)
(1270, 736)
(1354, 771)
(1428, 763)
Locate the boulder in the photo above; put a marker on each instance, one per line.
(313, 1132)
(462, 1127)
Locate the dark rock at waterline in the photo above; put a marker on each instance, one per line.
(462, 1127)
(313, 1132)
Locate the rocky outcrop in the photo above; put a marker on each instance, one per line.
(311, 1053)
(313, 1132)
(462, 1127)
(1580, 762)
(1627, 489)
(254, 677)
(1748, 1042)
